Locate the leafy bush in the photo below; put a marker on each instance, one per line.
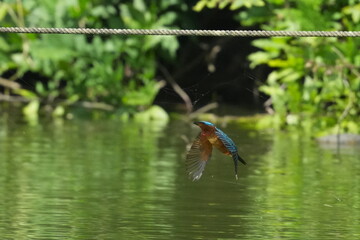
(117, 70)
(315, 82)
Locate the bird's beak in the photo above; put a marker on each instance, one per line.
(196, 123)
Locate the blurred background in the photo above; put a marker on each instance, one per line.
(308, 82)
(94, 128)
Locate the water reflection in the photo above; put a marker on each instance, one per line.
(112, 180)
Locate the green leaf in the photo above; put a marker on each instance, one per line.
(3, 10)
(139, 5)
(200, 5)
(224, 3)
(353, 11)
(236, 4)
(31, 109)
(258, 58)
(59, 111)
(25, 93)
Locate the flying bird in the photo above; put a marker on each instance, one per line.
(201, 149)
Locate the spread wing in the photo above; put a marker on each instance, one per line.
(197, 157)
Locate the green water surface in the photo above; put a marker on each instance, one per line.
(83, 179)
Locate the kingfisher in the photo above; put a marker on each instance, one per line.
(201, 149)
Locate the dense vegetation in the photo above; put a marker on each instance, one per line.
(120, 71)
(314, 82)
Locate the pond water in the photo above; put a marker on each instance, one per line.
(82, 179)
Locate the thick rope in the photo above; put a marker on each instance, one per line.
(216, 33)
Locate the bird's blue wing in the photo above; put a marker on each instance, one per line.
(231, 147)
(229, 144)
(197, 157)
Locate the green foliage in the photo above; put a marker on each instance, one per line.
(315, 82)
(110, 69)
(232, 4)
(314, 79)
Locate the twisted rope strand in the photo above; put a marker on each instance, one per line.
(216, 33)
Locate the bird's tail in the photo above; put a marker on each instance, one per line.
(241, 160)
(236, 168)
(237, 158)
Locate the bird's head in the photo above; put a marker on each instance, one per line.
(205, 125)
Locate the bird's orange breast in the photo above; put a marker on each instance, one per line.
(216, 142)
